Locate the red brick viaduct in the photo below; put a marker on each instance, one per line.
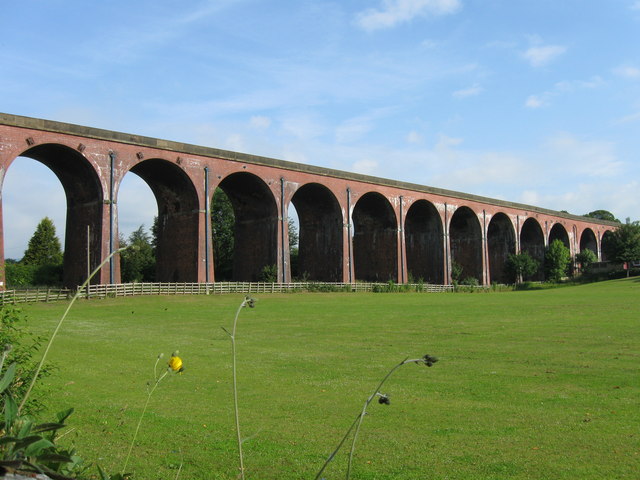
(351, 227)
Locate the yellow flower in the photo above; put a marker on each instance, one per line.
(175, 363)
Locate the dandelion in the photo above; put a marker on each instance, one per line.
(174, 365)
(251, 303)
(383, 399)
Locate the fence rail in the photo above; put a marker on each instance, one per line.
(217, 288)
(34, 295)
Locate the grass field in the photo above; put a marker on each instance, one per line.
(530, 385)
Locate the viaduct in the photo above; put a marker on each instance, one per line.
(351, 227)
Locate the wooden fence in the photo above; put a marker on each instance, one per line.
(134, 289)
(34, 295)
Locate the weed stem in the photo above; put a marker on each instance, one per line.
(55, 332)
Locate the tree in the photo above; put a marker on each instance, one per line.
(602, 215)
(586, 257)
(521, 266)
(557, 260)
(293, 247)
(223, 223)
(137, 264)
(44, 246)
(623, 245)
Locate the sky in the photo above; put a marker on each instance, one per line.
(536, 102)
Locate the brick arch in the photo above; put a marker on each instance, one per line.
(84, 195)
(532, 242)
(501, 242)
(558, 232)
(178, 211)
(465, 237)
(321, 234)
(604, 243)
(424, 241)
(256, 224)
(375, 239)
(588, 240)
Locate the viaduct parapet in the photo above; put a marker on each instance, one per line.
(351, 227)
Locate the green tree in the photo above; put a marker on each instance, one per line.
(602, 215)
(293, 247)
(137, 264)
(44, 246)
(623, 245)
(557, 260)
(223, 223)
(521, 266)
(586, 257)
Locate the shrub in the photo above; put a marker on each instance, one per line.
(521, 267)
(557, 260)
(269, 274)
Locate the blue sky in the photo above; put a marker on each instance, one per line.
(528, 101)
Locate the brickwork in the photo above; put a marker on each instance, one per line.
(351, 226)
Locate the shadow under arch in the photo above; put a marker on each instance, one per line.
(501, 242)
(558, 232)
(320, 241)
(177, 224)
(424, 243)
(532, 242)
(465, 235)
(375, 239)
(85, 207)
(605, 246)
(588, 240)
(256, 225)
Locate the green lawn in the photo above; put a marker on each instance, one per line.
(530, 385)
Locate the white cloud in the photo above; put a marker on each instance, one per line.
(564, 87)
(429, 44)
(628, 71)
(365, 167)
(585, 158)
(468, 92)
(260, 122)
(414, 137)
(535, 101)
(539, 56)
(634, 117)
(302, 126)
(353, 129)
(393, 12)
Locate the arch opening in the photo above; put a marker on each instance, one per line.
(255, 226)
(84, 208)
(604, 245)
(588, 241)
(424, 243)
(501, 242)
(320, 235)
(177, 221)
(532, 242)
(465, 235)
(558, 232)
(375, 239)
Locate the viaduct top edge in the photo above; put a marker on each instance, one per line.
(186, 148)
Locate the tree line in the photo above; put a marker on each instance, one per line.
(43, 259)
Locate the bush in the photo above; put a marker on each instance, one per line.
(586, 257)
(25, 346)
(20, 275)
(521, 267)
(557, 260)
(268, 274)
